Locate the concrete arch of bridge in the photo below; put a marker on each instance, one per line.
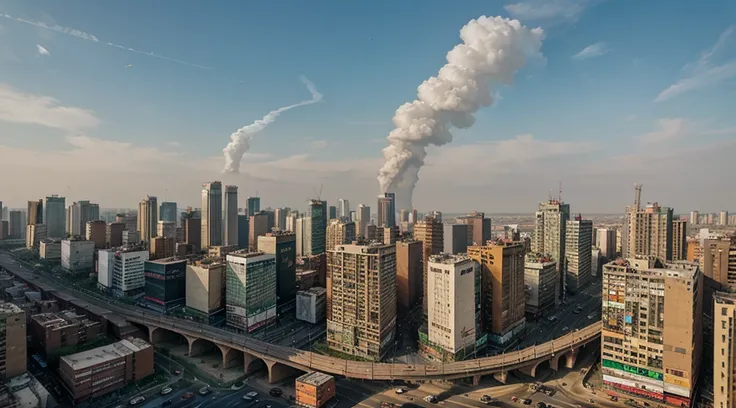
(199, 347)
(567, 358)
(159, 336)
(231, 357)
(532, 369)
(252, 364)
(278, 372)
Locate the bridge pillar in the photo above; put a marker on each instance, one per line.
(154, 335)
(229, 356)
(571, 357)
(476, 380)
(251, 363)
(278, 372)
(501, 377)
(531, 370)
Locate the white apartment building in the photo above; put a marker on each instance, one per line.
(50, 250)
(77, 256)
(451, 321)
(121, 271)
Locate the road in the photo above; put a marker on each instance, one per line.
(217, 398)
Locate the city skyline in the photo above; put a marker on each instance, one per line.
(641, 111)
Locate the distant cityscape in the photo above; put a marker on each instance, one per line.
(391, 285)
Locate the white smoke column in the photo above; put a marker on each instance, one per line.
(240, 140)
(493, 49)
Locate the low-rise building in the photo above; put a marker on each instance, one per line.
(165, 289)
(96, 231)
(50, 249)
(162, 247)
(310, 305)
(131, 237)
(205, 284)
(53, 330)
(99, 371)
(120, 270)
(77, 255)
(314, 390)
(13, 343)
(35, 233)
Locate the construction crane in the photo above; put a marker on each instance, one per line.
(318, 195)
(637, 196)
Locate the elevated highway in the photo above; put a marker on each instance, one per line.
(284, 361)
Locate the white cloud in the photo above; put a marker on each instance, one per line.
(566, 10)
(592, 51)
(704, 72)
(42, 50)
(670, 129)
(19, 107)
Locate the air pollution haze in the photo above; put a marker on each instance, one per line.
(493, 49)
(240, 140)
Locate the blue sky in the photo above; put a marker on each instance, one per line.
(648, 76)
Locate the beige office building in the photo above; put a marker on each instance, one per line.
(647, 231)
(724, 347)
(13, 341)
(35, 233)
(541, 283)
(430, 233)
(549, 235)
(408, 274)
(205, 283)
(362, 299)
(339, 233)
(652, 328)
(147, 217)
(679, 240)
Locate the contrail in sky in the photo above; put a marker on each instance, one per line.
(92, 38)
(240, 140)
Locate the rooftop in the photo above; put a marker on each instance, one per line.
(102, 354)
(315, 378)
(167, 261)
(449, 259)
(8, 308)
(318, 291)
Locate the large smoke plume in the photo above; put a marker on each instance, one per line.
(493, 49)
(240, 140)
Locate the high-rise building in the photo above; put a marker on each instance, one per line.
(408, 274)
(79, 214)
(130, 220)
(651, 339)
(454, 315)
(257, 227)
(96, 231)
(339, 233)
(250, 290)
(168, 212)
(361, 293)
(549, 236)
(279, 215)
(540, 277)
(679, 240)
(162, 247)
(231, 215)
(303, 232)
(55, 216)
(578, 246)
(114, 234)
(606, 241)
(479, 227)
(503, 291)
(386, 210)
(254, 205)
(13, 343)
(724, 331)
(647, 231)
(205, 284)
(212, 214)
(456, 238)
(166, 229)
(147, 217)
(332, 212)
(165, 289)
(34, 235)
(318, 226)
(282, 245)
(16, 226)
(344, 208)
(430, 233)
(364, 218)
(192, 225)
(121, 270)
(243, 230)
(34, 214)
(723, 218)
(694, 218)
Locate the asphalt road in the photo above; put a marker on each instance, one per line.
(217, 398)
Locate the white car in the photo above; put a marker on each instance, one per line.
(400, 390)
(166, 391)
(251, 394)
(137, 400)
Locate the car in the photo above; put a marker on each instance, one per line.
(251, 394)
(590, 400)
(268, 405)
(275, 392)
(166, 390)
(166, 403)
(137, 400)
(541, 404)
(550, 391)
(187, 396)
(591, 316)
(176, 372)
(576, 311)
(485, 398)
(554, 319)
(431, 399)
(247, 398)
(564, 329)
(400, 390)
(526, 401)
(204, 390)
(514, 398)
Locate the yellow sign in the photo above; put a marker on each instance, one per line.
(672, 379)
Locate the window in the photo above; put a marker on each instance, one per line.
(724, 311)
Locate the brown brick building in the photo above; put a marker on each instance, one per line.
(102, 370)
(53, 330)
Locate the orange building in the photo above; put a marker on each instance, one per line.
(314, 389)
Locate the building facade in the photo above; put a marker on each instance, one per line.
(431, 233)
(606, 241)
(386, 210)
(282, 245)
(724, 362)
(408, 274)
(361, 293)
(578, 247)
(541, 284)
(679, 240)
(13, 342)
(231, 215)
(456, 238)
(479, 227)
(96, 231)
(168, 212)
(165, 284)
(339, 232)
(550, 236)
(147, 217)
(250, 290)
(205, 289)
(257, 227)
(651, 337)
(211, 223)
(53, 330)
(121, 271)
(77, 256)
(55, 216)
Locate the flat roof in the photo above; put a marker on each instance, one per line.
(113, 351)
(166, 261)
(315, 378)
(7, 307)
